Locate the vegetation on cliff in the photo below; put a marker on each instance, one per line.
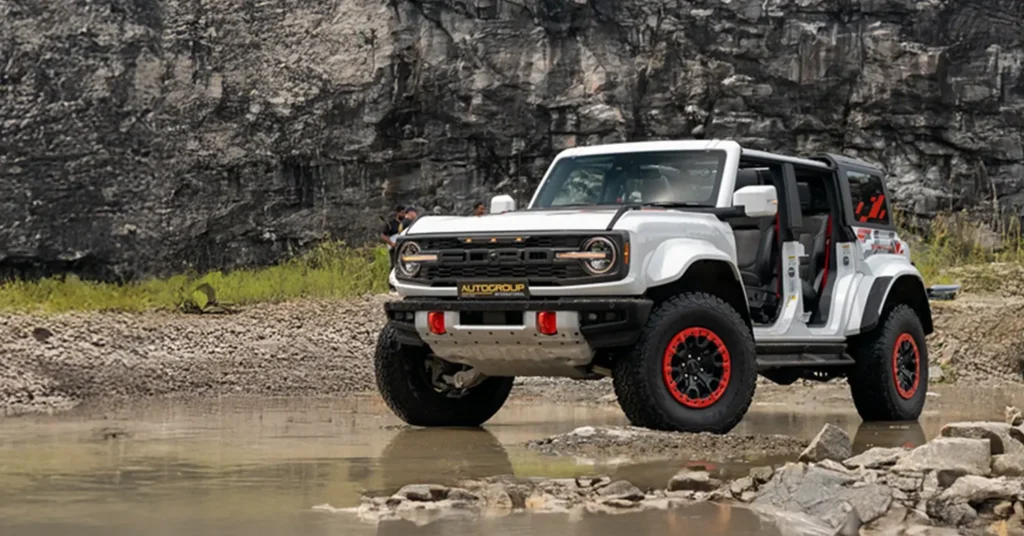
(331, 270)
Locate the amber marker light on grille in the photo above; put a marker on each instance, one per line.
(425, 257)
(625, 253)
(584, 255)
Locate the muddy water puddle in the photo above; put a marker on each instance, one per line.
(258, 467)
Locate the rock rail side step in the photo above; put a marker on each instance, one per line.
(779, 355)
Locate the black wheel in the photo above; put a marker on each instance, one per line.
(694, 370)
(890, 380)
(407, 378)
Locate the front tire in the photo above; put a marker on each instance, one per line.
(695, 369)
(403, 382)
(890, 380)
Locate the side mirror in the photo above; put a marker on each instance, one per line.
(757, 201)
(502, 203)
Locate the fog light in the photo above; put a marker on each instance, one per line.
(435, 319)
(546, 323)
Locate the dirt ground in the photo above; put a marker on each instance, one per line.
(321, 348)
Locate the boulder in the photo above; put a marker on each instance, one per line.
(977, 489)
(762, 474)
(422, 492)
(952, 454)
(1008, 465)
(740, 486)
(1013, 416)
(831, 443)
(498, 501)
(1003, 438)
(957, 504)
(687, 480)
(875, 458)
(423, 513)
(1007, 443)
(823, 493)
(621, 490)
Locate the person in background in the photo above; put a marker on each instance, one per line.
(410, 217)
(479, 209)
(392, 227)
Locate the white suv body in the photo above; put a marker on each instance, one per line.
(802, 250)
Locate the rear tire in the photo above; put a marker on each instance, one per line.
(403, 383)
(695, 369)
(890, 379)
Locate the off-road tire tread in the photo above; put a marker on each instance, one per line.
(871, 378)
(416, 403)
(633, 391)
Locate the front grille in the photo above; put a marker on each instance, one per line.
(517, 271)
(527, 257)
(541, 241)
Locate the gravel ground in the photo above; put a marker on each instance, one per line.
(296, 348)
(642, 444)
(325, 348)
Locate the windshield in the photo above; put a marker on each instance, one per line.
(688, 178)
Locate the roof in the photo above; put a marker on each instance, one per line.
(642, 146)
(824, 161)
(849, 161)
(772, 157)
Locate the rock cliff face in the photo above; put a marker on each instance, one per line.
(142, 137)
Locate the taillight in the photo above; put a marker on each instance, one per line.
(435, 320)
(546, 323)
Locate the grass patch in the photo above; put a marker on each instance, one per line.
(331, 270)
(946, 245)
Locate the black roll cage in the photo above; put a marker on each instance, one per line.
(836, 166)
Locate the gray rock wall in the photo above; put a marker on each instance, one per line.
(144, 137)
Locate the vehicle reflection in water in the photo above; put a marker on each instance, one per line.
(257, 468)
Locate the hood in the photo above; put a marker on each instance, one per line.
(520, 221)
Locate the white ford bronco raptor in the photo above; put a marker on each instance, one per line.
(682, 269)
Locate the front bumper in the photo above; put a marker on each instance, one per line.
(600, 322)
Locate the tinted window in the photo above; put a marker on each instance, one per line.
(686, 177)
(868, 197)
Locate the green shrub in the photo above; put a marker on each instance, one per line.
(330, 270)
(950, 241)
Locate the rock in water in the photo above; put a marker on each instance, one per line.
(823, 493)
(951, 454)
(851, 526)
(1003, 438)
(831, 443)
(876, 457)
(1013, 416)
(422, 492)
(622, 490)
(955, 505)
(686, 480)
(1006, 441)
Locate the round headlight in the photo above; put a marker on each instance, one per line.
(408, 269)
(601, 265)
